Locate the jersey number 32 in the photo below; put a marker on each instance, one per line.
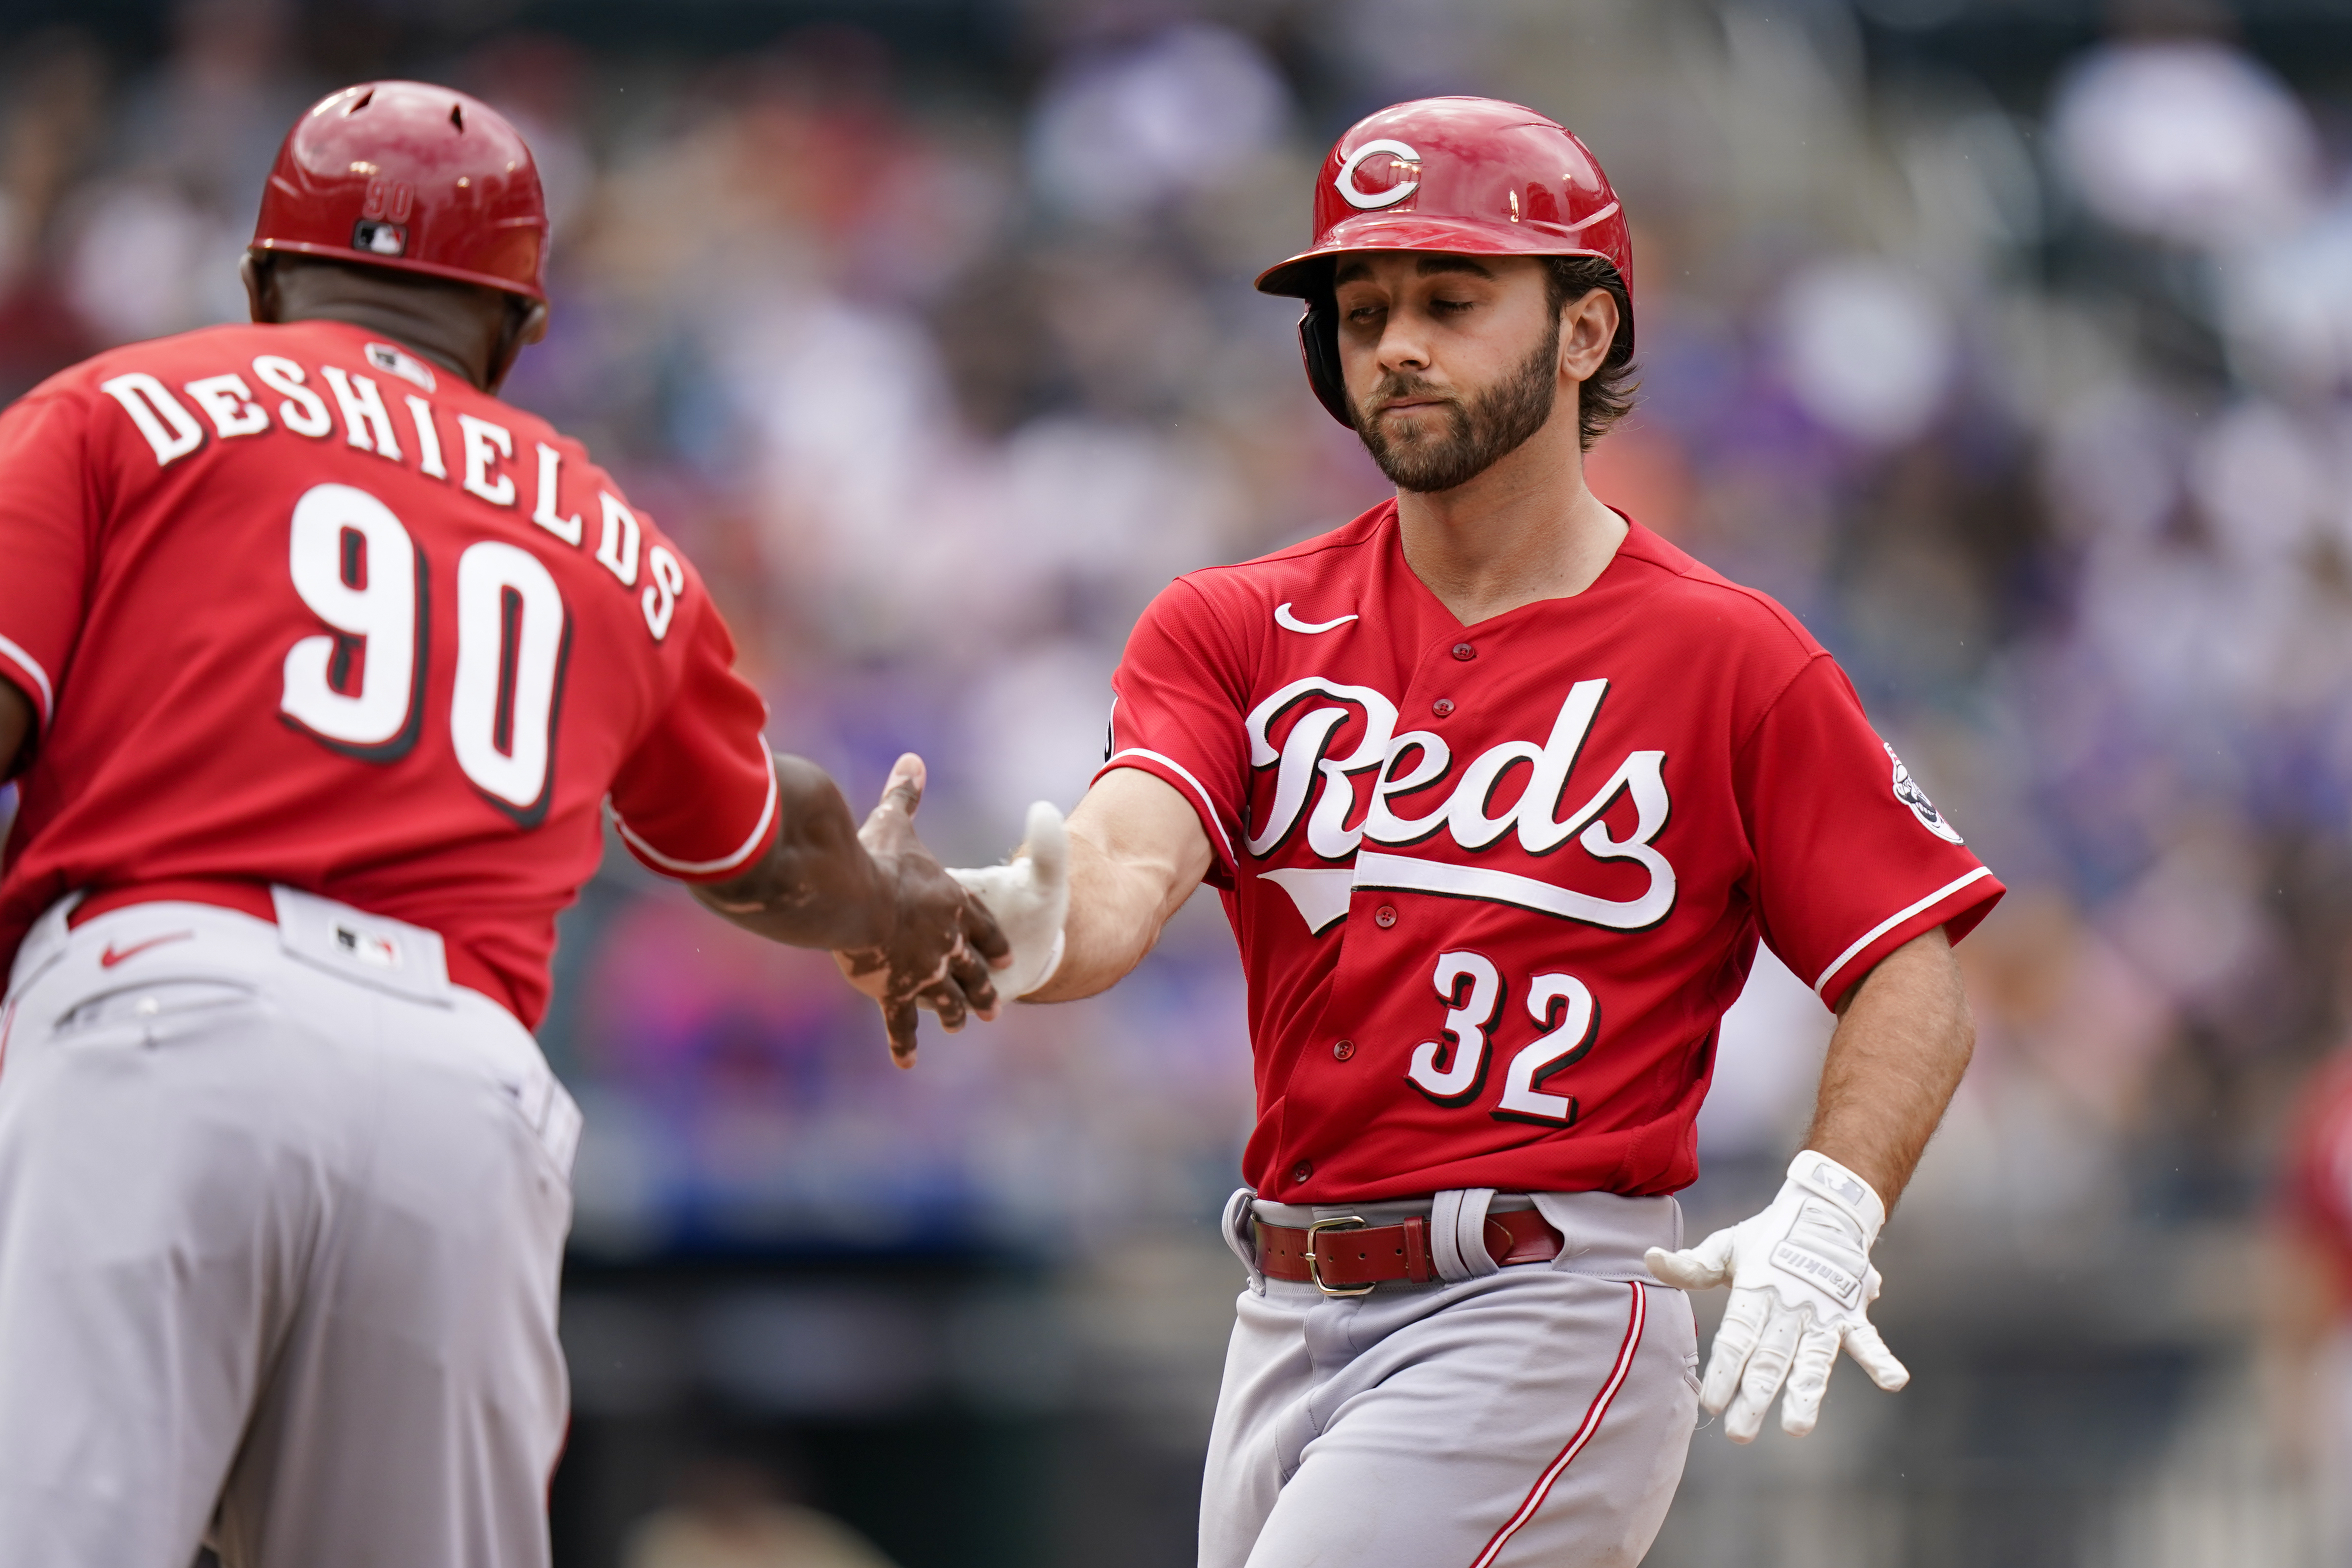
(359, 688)
(1452, 1071)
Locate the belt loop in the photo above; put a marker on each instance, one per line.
(1419, 1267)
(1457, 1234)
(1240, 1228)
(42, 945)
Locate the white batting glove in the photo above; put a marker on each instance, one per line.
(1029, 899)
(1801, 1284)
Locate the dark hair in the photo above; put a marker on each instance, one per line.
(1608, 396)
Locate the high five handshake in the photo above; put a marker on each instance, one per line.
(912, 936)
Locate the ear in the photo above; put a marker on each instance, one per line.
(1318, 349)
(525, 324)
(1588, 327)
(260, 296)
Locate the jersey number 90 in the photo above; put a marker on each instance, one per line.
(359, 687)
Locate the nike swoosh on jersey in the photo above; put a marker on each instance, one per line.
(113, 955)
(1290, 623)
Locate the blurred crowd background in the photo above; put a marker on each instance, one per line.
(2008, 343)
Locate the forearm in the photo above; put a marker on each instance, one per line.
(1136, 854)
(16, 723)
(817, 887)
(1116, 913)
(1903, 1041)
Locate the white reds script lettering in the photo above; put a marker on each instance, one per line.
(1404, 764)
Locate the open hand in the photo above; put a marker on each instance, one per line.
(1801, 1286)
(938, 945)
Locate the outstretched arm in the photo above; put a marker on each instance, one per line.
(907, 932)
(1136, 853)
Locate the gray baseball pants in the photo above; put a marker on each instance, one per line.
(282, 1217)
(1509, 1417)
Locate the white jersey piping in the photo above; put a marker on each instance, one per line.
(16, 655)
(705, 867)
(1185, 773)
(1897, 919)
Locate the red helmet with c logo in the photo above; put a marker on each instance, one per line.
(411, 176)
(1476, 177)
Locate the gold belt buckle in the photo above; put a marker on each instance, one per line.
(1315, 1268)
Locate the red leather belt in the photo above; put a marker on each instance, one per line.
(1348, 1257)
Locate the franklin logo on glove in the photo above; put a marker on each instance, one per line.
(1811, 1250)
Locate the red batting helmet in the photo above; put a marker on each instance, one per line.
(408, 176)
(1475, 177)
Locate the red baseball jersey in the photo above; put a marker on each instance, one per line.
(1495, 884)
(293, 606)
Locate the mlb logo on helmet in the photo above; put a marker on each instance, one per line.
(411, 176)
(378, 238)
(382, 228)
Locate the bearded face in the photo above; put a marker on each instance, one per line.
(1454, 442)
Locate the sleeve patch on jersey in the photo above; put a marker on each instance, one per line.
(1907, 791)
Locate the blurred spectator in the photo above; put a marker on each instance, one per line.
(58, 82)
(1122, 131)
(2185, 140)
(156, 241)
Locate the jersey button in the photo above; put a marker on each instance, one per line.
(1441, 707)
(1301, 1171)
(1385, 916)
(1344, 1049)
(1464, 650)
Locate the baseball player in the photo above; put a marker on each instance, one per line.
(319, 666)
(1501, 789)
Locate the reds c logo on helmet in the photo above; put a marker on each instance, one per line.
(1476, 177)
(411, 176)
(1403, 172)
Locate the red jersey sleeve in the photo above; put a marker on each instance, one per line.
(45, 524)
(1177, 713)
(696, 798)
(1851, 859)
